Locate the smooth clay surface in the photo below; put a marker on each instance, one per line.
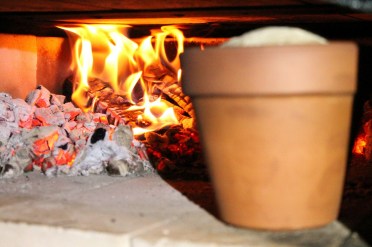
(275, 125)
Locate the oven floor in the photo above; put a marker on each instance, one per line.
(142, 211)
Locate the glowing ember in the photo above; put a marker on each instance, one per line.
(133, 70)
(43, 133)
(360, 145)
(363, 143)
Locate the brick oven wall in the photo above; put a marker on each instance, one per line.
(27, 60)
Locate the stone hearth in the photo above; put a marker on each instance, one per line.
(142, 211)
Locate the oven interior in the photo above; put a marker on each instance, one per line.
(204, 23)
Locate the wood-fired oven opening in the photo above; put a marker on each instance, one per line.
(122, 81)
(174, 150)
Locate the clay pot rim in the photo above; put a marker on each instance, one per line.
(271, 70)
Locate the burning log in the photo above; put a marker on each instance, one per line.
(117, 108)
(173, 90)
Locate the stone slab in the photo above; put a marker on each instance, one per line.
(140, 211)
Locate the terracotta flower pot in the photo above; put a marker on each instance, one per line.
(274, 122)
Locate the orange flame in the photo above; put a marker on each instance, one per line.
(156, 112)
(360, 145)
(104, 52)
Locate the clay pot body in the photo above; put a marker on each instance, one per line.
(275, 123)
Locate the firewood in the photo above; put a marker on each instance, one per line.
(173, 90)
(104, 100)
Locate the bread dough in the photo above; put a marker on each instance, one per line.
(269, 36)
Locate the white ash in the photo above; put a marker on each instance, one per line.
(57, 99)
(58, 171)
(117, 156)
(23, 112)
(20, 150)
(39, 97)
(123, 136)
(7, 118)
(16, 163)
(274, 35)
(50, 116)
(45, 134)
